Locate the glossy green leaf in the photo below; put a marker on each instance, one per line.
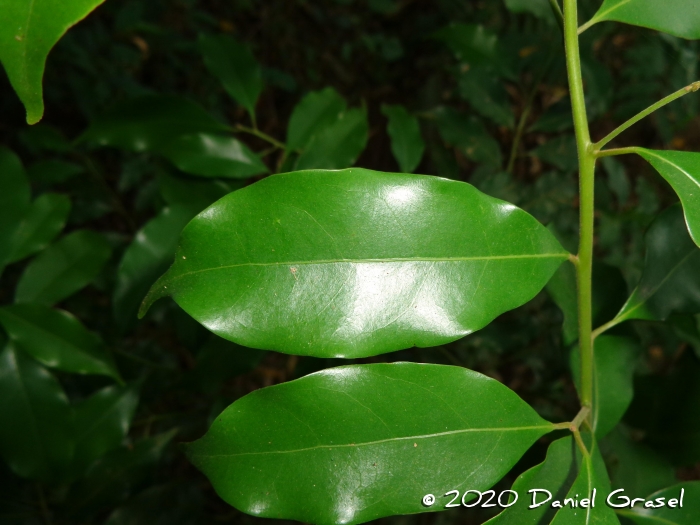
(28, 32)
(592, 475)
(234, 65)
(663, 513)
(682, 171)
(315, 112)
(102, 422)
(15, 196)
(338, 145)
(42, 223)
(147, 257)
(150, 122)
(556, 475)
(671, 280)
(470, 136)
(338, 449)
(406, 141)
(615, 359)
(63, 268)
(487, 96)
(35, 419)
(209, 155)
(355, 263)
(470, 43)
(676, 17)
(57, 339)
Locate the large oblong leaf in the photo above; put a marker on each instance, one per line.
(356, 263)
(57, 339)
(356, 443)
(27, 33)
(676, 17)
(682, 171)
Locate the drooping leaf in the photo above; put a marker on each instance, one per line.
(28, 32)
(592, 475)
(338, 145)
(555, 475)
(315, 112)
(149, 122)
(338, 450)
(470, 136)
(234, 65)
(42, 223)
(685, 514)
(209, 155)
(63, 268)
(406, 141)
(682, 171)
(15, 196)
(676, 17)
(57, 339)
(487, 96)
(35, 419)
(356, 263)
(615, 359)
(101, 423)
(671, 279)
(144, 260)
(634, 466)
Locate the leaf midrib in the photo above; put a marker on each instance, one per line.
(381, 260)
(547, 428)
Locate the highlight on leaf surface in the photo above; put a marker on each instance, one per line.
(355, 263)
(345, 446)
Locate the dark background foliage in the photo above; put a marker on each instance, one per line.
(373, 52)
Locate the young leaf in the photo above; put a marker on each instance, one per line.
(145, 259)
(682, 171)
(685, 514)
(406, 141)
(211, 155)
(470, 136)
(15, 195)
(315, 112)
(234, 65)
(592, 475)
(338, 450)
(338, 145)
(486, 94)
(615, 360)
(671, 280)
(150, 122)
(356, 263)
(63, 268)
(35, 419)
(676, 17)
(556, 474)
(28, 32)
(101, 423)
(42, 223)
(57, 339)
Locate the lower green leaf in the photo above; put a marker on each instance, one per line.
(356, 443)
(677, 505)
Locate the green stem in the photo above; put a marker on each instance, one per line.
(615, 152)
(692, 88)
(587, 160)
(257, 133)
(557, 12)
